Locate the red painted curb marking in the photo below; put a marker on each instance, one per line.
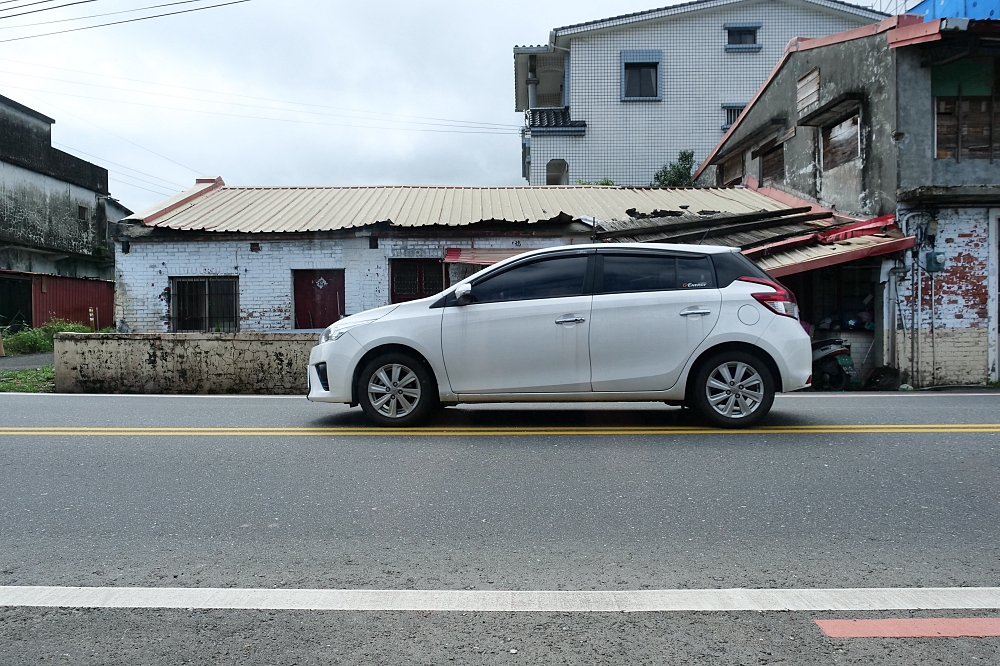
(912, 628)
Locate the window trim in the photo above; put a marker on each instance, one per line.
(642, 57)
(730, 28)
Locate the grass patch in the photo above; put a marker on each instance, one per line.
(42, 380)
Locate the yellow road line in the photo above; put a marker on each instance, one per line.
(69, 431)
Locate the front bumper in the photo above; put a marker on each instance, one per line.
(339, 358)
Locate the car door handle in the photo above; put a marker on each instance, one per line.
(688, 313)
(570, 320)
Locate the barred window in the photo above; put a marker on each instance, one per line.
(204, 305)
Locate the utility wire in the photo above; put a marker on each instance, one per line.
(83, 18)
(489, 126)
(103, 25)
(107, 161)
(120, 176)
(44, 9)
(510, 132)
(104, 129)
(261, 99)
(30, 4)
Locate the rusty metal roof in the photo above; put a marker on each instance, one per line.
(212, 206)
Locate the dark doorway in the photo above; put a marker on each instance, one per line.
(416, 278)
(319, 297)
(15, 303)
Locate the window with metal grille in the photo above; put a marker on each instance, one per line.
(733, 112)
(82, 213)
(415, 278)
(204, 305)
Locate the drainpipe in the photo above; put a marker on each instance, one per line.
(532, 82)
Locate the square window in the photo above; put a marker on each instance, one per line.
(640, 80)
(733, 112)
(82, 213)
(204, 305)
(640, 76)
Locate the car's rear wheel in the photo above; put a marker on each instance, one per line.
(733, 390)
(396, 390)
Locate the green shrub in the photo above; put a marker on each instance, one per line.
(49, 329)
(26, 341)
(39, 340)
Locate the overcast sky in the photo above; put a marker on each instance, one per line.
(162, 101)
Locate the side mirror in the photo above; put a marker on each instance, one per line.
(463, 294)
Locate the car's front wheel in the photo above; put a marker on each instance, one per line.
(733, 390)
(396, 390)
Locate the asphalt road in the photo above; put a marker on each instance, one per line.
(600, 505)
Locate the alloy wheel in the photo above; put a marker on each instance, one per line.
(734, 389)
(394, 390)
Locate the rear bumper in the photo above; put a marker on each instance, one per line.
(791, 349)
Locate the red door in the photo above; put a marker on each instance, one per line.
(319, 297)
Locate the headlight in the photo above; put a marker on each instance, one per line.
(336, 331)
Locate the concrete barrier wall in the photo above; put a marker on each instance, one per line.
(266, 363)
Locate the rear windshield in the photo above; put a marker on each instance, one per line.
(731, 266)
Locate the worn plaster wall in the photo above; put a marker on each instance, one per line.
(629, 141)
(951, 315)
(265, 277)
(863, 186)
(183, 363)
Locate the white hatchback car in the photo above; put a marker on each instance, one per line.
(681, 324)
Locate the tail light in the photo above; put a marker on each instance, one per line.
(780, 301)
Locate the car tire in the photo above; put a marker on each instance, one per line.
(733, 390)
(396, 390)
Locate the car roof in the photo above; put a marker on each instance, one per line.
(672, 247)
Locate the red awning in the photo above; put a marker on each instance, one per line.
(481, 256)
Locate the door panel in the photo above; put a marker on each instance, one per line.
(641, 341)
(517, 346)
(319, 297)
(643, 322)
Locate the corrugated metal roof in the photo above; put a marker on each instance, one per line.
(810, 257)
(214, 207)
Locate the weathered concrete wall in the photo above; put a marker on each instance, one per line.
(245, 363)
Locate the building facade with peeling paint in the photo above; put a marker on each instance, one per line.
(899, 121)
(56, 249)
(618, 98)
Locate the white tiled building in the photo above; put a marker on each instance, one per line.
(620, 97)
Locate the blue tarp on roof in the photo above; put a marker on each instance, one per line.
(973, 9)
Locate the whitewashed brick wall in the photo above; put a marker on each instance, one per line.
(265, 277)
(629, 141)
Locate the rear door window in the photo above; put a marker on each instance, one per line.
(627, 273)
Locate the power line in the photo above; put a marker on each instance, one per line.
(510, 132)
(122, 166)
(44, 9)
(490, 126)
(83, 18)
(103, 25)
(30, 4)
(261, 99)
(104, 129)
(140, 187)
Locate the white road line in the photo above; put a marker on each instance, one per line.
(856, 599)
